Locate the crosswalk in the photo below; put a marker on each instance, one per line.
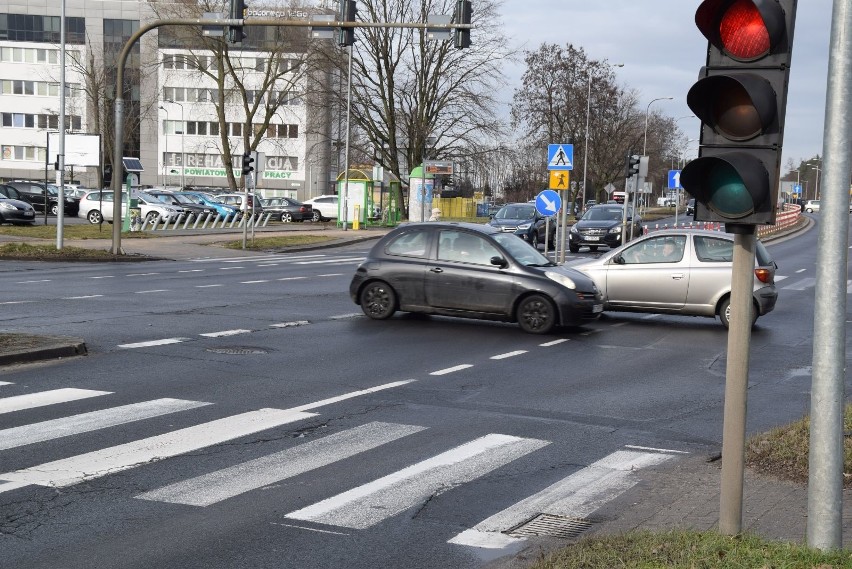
(359, 507)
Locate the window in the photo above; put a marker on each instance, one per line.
(460, 246)
(662, 249)
(713, 250)
(409, 244)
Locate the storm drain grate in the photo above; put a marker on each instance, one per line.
(237, 351)
(550, 525)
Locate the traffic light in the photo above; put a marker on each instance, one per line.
(346, 36)
(464, 12)
(632, 164)
(741, 98)
(247, 164)
(237, 12)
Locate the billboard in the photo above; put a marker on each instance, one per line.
(81, 150)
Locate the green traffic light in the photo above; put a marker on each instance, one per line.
(729, 195)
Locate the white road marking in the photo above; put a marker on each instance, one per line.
(451, 369)
(326, 261)
(230, 268)
(779, 278)
(800, 285)
(150, 291)
(351, 394)
(289, 324)
(6, 383)
(229, 482)
(88, 466)
(43, 398)
(801, 271)
(224, 333)
(140, 274)
(309, 529)
(192, 271)
(163, 342)
(655, 449)
(619, 324)
(254, 282)
(277, 257)
(208, 286)
(367, 505)
(292, 278)
(17, 302)
(93, 421)
(38, 281)
(81, 297)
(104, 277)
(269, 265)
(508, 355)
(345, 316)
(553, 342)
(577, 496)
(331, 275)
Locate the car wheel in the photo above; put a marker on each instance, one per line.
(54, 209)
(286, 217)
(378, 300)
(94, 217)
(573, 248)
(725, 313)
(152, 217)
(536, 314)
(809, 210)
(316, 216)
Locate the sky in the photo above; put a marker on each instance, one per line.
(662, 52)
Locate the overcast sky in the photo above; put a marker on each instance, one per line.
(662, 52)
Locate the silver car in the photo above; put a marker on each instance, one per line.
(685, 272)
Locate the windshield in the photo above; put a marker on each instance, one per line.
(516, 211)
(191, 198)
(604, 214)
(520, 250)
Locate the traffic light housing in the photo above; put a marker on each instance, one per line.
(237, 12)
(633, 161)
(247, 164)
(464, 12)
(740, 98)
(348, 11)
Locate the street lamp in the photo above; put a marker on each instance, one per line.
(182, 155)
(586, 151)
(648, 110)
(816, 185)
(165, 166)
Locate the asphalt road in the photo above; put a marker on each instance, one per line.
(243, 413)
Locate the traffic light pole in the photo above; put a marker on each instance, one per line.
(736, 380)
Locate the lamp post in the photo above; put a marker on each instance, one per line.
(182, 155)
(648, 110)
(165, 166)
(586, 150)
(816, 185)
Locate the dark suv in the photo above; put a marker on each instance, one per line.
(195, 210)
(601, 226)
(35, 193)
(523, 220)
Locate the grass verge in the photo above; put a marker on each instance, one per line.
(50, 252)
(88, 231)
(265, 243)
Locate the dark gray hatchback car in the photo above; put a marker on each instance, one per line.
(473, 271)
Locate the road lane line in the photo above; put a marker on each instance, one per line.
(292, 278)
(224, 333)
(38, 281)
(91, 465)
(92, 421)
(208, 286)
(222, 484)
(346, 316)
(81, 297)
(576, 496)
(289, 324)
(254, 282)
(553, 342)
(104, 277)
(192, 271)
(508, 355)
(163, 342)
(326, 261)
(352, 394)
(6, 383)
(230, 268)
(331, 275)
(451, 369)
(140, 274)
(18, 302)
(150, 291)
(369, 504)
(43, 398)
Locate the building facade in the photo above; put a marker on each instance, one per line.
(175, 112)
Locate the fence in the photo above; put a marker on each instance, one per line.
(787, 217)
(182, 222)
(455, 207)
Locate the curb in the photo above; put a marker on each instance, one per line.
(60, 348)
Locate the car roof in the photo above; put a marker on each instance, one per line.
(477, 227)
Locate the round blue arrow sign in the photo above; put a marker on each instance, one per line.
(548, 202)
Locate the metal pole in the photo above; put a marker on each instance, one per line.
(586, 151)
(345, 200)
(825, 479)
(60, 173)
(736, 381)
(182, 149)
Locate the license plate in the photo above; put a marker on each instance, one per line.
(597, 308)
(29, 213)
(593, 238)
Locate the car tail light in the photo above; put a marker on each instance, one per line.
(763, 275)
(303, 209)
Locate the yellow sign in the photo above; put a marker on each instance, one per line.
(478, 196)
(558, 180)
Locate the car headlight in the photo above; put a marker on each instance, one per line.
(7, 206)
(615, 229)
(574, 230)
(561, 279)
(525, 226)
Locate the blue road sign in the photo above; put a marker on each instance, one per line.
(797, 189)
(674, 179)
(547, 202)
(560, 156)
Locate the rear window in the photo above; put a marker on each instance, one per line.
(714, 250)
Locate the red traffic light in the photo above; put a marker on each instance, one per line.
(745, 30)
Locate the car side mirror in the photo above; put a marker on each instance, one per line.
(499, 261)
(619, 260)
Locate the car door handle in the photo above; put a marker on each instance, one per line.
(677, 276)
(437, 270)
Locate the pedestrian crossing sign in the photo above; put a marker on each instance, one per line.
(560, 156)
(558, 180)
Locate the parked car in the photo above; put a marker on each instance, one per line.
(288, 209)
(195, 210)
(685, 272)
(236, 200)
(812, 206)
(204, 198)
(153, 209)
(690, 207)
(96, 206)
(37, 193)
(13, 209)
(325, 207)
(523, 220)
(601, 226)
(471, 270)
